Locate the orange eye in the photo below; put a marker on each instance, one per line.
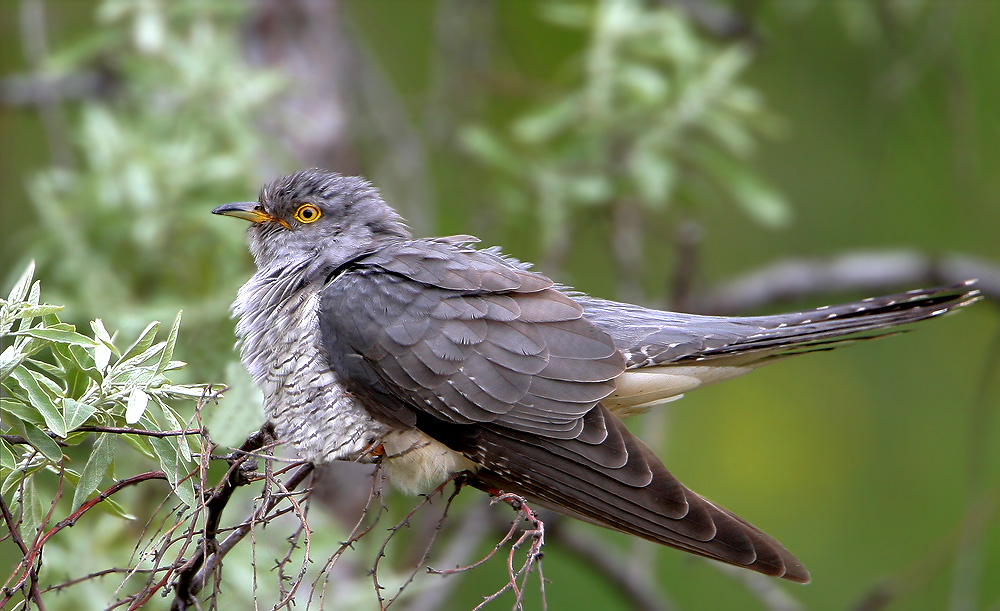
(307, 213)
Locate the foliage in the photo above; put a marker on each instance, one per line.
(121, 232)
(61, 388)
(656, 113)
(84, 382)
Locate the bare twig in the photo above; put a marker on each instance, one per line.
(357, 533)
(36, 548)
(458, 479)
(474, 526)
(535, 533)
(869, 272)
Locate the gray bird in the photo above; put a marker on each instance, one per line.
(443, 358)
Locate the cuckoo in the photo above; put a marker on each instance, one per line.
(441, 358)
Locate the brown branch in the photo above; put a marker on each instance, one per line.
(851, 272)
(71, 520)
(536, 534)
(141, 432)
(20, 440)
(15, 535)
(185, 588)
(208, 561)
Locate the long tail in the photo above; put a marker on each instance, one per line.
(669, 353)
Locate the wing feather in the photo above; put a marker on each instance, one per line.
(440, 336)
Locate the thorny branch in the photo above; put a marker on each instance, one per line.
(405, 523)
(533, 558)
(34, 552)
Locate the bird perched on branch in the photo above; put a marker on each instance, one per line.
(443, 358)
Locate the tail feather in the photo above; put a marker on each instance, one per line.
(670, 353)
(650, 338)
(567, 476)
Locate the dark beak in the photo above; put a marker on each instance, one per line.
(249, 211)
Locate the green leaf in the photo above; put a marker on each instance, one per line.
(545, 124)
(31, 519)
(139, 443)
(75, 438)
(10, 358)
(483, 144)
(76, 413)
(137, 401)
(155, 350)
(94, 470)
(41, 401)
(85, 359)
(20, 290)
(173, 467)
(168, 351)
(32, 311)
(760, 201)
(8, 460)
(145, 341)
(20, 411)
(174, 423)
(42, 442)
(57, 335)
(111, 506)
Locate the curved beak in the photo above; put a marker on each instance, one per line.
(244, 210)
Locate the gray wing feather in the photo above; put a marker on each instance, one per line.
(438, 336)
(429, 317)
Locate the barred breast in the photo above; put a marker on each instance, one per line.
(278, 330)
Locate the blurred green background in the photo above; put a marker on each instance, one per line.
(835, 127)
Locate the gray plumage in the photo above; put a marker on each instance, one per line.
(448, 358)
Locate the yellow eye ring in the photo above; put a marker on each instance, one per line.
(307, 213)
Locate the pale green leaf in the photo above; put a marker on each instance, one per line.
(58, 335)
(76, 413)
(41, 401)
(20, 411)
(174, 468)
(10, 358)
(93, 472)
(34, 510)
(102, 356)
(8, 460)
(42, 442)
(101, 334)
(168, 351)
(145, 341)
(20, 290)
(137, 401)
(31, 311)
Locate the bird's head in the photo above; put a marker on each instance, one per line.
(317, 216)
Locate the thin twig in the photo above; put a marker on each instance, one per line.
(458, 479)
(70, 520)
(871, 272)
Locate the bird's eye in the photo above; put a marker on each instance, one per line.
(307, 213)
